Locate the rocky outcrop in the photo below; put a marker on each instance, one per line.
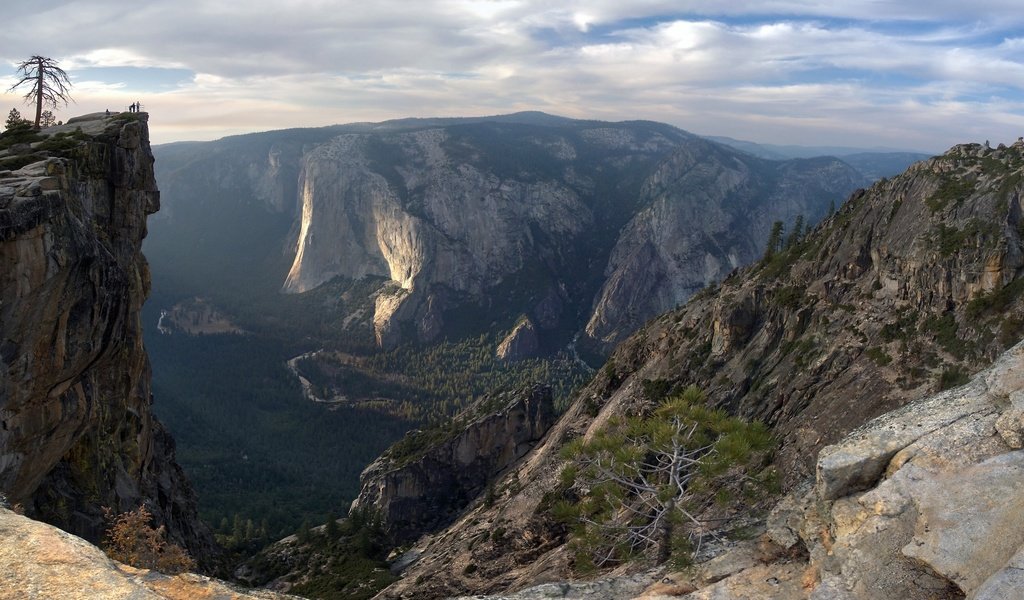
(911, 286)
(520, 343)
(422, 482)
(919, 503)
(42, 562)
(77, 429)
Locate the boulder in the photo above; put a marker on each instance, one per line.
(41, 562)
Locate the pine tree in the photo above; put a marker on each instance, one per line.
(774, 240)
(796, 236)
(332, 527)
(13, 119)
(303, 533)
(645, 481)
(47, 119)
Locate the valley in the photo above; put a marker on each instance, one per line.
(474, 451)
(418, 249)
(491, 300)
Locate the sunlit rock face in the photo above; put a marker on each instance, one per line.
(628, 220)
(41, 561)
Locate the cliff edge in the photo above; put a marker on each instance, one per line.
(77, 432)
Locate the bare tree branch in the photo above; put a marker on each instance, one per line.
(50, 84)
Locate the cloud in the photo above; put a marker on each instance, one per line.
(864, 72)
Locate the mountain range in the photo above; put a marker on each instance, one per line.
(362, 251)
(585, 228)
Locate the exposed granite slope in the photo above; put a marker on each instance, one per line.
(77, 430)
(707, 211)
(913, 284)
(922, 503)
(41, 562)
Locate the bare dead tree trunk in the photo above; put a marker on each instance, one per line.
(39, 93)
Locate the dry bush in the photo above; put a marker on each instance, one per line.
(131, 539)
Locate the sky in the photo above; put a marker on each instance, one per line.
(909, 74)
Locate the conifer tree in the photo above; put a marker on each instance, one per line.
(774, 240)
(796, 236)
(645, 481)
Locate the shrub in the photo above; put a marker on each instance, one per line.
(953, 377)
(647, 480)
(132, 540)
(878, 355)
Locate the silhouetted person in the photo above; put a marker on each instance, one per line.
(108, 112)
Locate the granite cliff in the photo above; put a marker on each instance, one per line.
(77, 432)
(421, 483)
(911, 286)
(578, 225)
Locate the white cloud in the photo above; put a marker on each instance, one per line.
(869, 72)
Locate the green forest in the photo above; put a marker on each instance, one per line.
(263, 458)
(252, 445)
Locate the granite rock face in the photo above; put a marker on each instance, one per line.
(707, 212)
(76, 429)
(910, 287)
(565, 221)
(421, 483)
(42, 562)
(520, 343)
(437, 220)
(938, 516)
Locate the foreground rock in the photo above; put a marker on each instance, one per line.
(76, 428)
(941, 515)
(422, 482)
(41, 562)
(922, 503)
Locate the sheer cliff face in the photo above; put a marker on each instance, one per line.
(708, 211)
(465, 229)
(77, 430)
(420, 489)
(439, 223)
(623, 220)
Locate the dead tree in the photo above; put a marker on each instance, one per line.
(49, 84)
